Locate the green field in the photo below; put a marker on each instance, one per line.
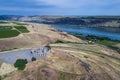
(22, 29)
(19, 23)
(6, 32)
(5, 28)
(9, 31)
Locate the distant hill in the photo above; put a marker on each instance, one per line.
(93, 21)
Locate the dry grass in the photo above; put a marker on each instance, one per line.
(67, 61)
(39, 34)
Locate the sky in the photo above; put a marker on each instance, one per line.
(59, 7)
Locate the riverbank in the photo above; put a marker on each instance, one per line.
(102, 41)
(112, 33)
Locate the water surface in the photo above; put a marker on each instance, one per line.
(110, 32)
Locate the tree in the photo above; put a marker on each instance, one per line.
(33, 59)
(48, 46)
(20, 64)
(59, 41)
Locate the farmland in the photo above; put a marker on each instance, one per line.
(8, 33)
(11, 31)
(22, 29)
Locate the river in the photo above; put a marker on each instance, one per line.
(110, 32)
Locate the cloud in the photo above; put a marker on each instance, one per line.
(84, 7)
(78, 3)
(61, 7)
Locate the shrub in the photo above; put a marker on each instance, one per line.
(48, 46)
(20, 64)
(85, 56)
(33, 59)
(59, 41)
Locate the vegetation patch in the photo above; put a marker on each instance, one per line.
(85, 56)
(67, 76)
(48, 46)
(5, 28)
(101, 40)
(8, 33)
(19, 23)
(20, 64)
(110, 44)
(0, 78)
(59, 41)
(33, 59)
(22, 29)
(9, 49)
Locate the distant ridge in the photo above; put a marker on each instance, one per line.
(94, 21)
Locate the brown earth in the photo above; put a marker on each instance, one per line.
(68, 62)
(73, 60)
(39, 34)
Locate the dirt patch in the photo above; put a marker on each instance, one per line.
(49, 74)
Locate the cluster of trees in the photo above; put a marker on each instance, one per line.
(20, 64)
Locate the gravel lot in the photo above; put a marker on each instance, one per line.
(11, 57)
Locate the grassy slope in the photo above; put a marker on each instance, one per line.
(74, 61)
(110, 44)
(102, 41)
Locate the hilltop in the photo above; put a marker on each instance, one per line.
(70, 57)
(36, 35)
